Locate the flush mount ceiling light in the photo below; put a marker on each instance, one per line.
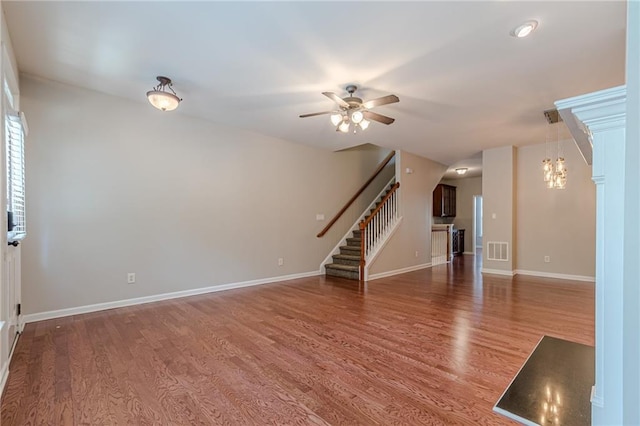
(461, 170)
(525, 29)
(161, 98)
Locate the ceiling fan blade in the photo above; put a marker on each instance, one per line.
(313, 114)
(370, 115)
(337, 99)
(389, 99)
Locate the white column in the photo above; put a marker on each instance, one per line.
(603, 115)
(631, 330)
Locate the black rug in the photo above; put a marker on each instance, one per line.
(553, 387)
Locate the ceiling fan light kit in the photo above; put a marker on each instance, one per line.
(161, 98)
(353, 110)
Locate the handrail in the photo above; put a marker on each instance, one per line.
(366, 221)
(381, 166)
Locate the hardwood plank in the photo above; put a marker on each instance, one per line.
(436, 346)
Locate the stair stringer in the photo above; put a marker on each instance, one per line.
(356, 226)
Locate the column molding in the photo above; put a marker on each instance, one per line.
(603, 115)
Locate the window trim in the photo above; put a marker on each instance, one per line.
(15, 132)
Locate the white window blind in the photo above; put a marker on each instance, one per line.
(15, 175)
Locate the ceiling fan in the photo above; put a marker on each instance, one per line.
(354, 110)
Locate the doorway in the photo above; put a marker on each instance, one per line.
(477, 224)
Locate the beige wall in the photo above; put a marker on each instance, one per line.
(414, 232)
(498, 187)
(466, 189)
(115, 186)
(555, 223)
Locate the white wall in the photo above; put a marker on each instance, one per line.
(414, 232)
(560, 224)
(115, 186)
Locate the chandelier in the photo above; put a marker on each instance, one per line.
(553, 166)
(162, 99)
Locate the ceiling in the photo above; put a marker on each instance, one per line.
(464, 83)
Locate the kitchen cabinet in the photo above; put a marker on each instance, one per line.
(444, 201)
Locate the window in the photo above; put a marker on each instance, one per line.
(15, 174)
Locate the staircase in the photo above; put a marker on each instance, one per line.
(347, 263)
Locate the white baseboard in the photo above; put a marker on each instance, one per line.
(498, 272)
(399, 271)
(41, 316)
(558, 276)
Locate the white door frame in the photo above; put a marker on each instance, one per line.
(474, 228)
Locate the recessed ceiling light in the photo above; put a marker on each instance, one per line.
(524, 29)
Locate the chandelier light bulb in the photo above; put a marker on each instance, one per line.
(357, 117)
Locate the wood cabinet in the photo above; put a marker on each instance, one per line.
(457, 242)
(444, 201)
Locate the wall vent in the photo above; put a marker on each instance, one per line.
(498, 251)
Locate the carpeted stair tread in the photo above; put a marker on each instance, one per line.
(355, 250)
(346, 259)
(354, 241)
(342, 267)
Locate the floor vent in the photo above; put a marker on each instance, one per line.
(498, 251)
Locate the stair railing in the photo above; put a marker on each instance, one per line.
(440, 249)
(379, 169)
(375, 228)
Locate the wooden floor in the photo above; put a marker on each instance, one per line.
(436, 346)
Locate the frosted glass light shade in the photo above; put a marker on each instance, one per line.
(344, 127)
(336, 119)
(164, 101)
(357, 117)
(364, 124)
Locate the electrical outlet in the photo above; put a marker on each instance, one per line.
(131, 277)
(547, 259)
(280, 261)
